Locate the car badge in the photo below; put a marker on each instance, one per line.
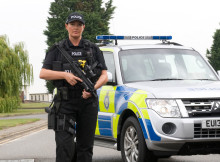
(216, 106)
(106, 101)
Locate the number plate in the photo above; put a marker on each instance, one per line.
(211, 123)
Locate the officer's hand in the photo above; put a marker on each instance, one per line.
(86, 94)
(71, 79)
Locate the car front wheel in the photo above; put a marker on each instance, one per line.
(133, 146)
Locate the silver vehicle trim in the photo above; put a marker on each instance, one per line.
(182, 108)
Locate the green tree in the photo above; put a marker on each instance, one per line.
(26, 68)
(97, 16)
(50, 86)
(214, 59)
(15, 71)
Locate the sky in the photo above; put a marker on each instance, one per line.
(190, 22)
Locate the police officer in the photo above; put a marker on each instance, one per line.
(74, 103)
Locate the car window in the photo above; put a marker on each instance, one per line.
(109, 60)
(155, 64)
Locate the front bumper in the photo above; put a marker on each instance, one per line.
(187, 139)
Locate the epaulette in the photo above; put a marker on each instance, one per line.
(87, 43)
(60, 43)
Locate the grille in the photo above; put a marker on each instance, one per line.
(205, 133)
(201, 108)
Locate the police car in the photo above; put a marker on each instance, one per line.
(160, 100)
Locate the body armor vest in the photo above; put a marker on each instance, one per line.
(83, 56)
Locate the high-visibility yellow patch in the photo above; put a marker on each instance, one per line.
(145, 113)
(107, 99)
(97, 128)
(138, 98)
(115, 125)
(133, 108)
(107, 49)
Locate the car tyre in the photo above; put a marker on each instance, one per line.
(133, 145)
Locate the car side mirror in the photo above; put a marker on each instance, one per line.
(110, 77)
(111, 80)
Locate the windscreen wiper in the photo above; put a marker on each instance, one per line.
(162, 79)
(204, 79)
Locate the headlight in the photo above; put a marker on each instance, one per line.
(165, 108)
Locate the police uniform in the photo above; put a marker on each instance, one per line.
(69, 103)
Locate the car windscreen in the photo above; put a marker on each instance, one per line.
(163, 64)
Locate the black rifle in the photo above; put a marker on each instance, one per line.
(87, 84)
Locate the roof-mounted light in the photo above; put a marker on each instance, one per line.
(119, 37)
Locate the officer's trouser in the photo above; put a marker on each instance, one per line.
(86, 117)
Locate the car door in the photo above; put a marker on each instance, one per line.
(107, 100)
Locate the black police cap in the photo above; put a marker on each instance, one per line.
(75, 16)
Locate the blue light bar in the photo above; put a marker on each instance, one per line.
(120, 37)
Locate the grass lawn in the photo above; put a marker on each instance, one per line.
(23, 112)
(28, 109)
(24, 109)
(34, 105)
(15, 122)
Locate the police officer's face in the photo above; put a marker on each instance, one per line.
(75, 29)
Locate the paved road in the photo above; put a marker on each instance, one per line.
(41, 147)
